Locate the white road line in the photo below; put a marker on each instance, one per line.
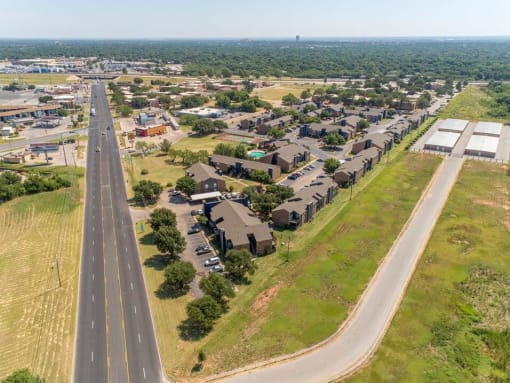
(131, 285)
(139, 338)
(92, 324)
(93, 276)
(126, 249)
(129, 266)
(93, 243)
(143, 370)
(93, 228)
(134, 308)
(93, 298)
(92, 357)
(93, 258)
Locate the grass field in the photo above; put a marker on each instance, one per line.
(147, 79)
(37, 317)
(330, 262)
(275, 93)
(450, 326)
(34, 78)
(472, 104)
(195, 144)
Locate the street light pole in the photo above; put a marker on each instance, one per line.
(64, 148)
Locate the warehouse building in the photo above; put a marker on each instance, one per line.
(453, 125)
(442, 141)
(482, 146)
(492, 129)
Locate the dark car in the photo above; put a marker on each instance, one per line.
(201, 247)
(205, 250)
(194, 230)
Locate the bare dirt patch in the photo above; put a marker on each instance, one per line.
(505, 206)
(264, 298)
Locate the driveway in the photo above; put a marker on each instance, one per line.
(358, 338)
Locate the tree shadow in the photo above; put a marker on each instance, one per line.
(197, 368)
(239, 281)
(147, 239)
(160, 261)
(188, 332)
(161, 155)
(167, 291)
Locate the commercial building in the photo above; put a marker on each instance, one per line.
(442, 141)
(206, 178)
(202, 112)
(8, 113)
(150, 130)
(238, 228)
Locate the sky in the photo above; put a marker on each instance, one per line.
(167, 19)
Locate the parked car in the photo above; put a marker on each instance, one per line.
(292, 177)
(201, 247)
(175, 193)
(197, 212)
(194, 230)
(205, 250)
(212, 261)
(320, 160)
(216, 269)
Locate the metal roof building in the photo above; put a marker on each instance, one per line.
(453, 125)
(488, 129)
(482, 146)
(442, 141)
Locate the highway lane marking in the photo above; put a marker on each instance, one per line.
(126, 249)
(139, 338)
(129, 266)
(131, 285)
(134, 308)
(93, 298)
(93, 276)
(143, 370)
(93, 258)
(93, 243)
(92, 357)
(92, 323)
(93, 228)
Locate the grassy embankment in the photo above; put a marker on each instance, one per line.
(453, 324)
(37, 317)
(330, 262)
(276, 92)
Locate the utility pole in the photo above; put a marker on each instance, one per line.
(64, 148)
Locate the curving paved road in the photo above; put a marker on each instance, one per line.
(366, 326)
(115, 337)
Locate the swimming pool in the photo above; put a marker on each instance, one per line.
(256, 154)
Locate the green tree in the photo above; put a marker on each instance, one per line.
(179, 275)
(240, 151)
(250, 192)
(306, 94)
(202, 313)
(139, 102)
(138, 80)
(363, 124)
(203, 126)
(224, 149)
(147, 192)
(259, 175)
(280, 192)
(290, 99)
(124, 110)
(23, 376)
(165, 146)
(218, 287)
(330, 165)
(333, 139)
(220, 125)
(186, 185)
(169, 240)
(222, 101)
(265, 203)
(238, 263)
(276, 133)
(162, 217)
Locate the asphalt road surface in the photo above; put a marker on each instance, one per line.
(115, 337)
(366, 326)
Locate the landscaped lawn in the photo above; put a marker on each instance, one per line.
(147, 79)
(472, 104)
(196, 143)
(37, 317)
(450, 326)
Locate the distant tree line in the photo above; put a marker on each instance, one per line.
(456, 59)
